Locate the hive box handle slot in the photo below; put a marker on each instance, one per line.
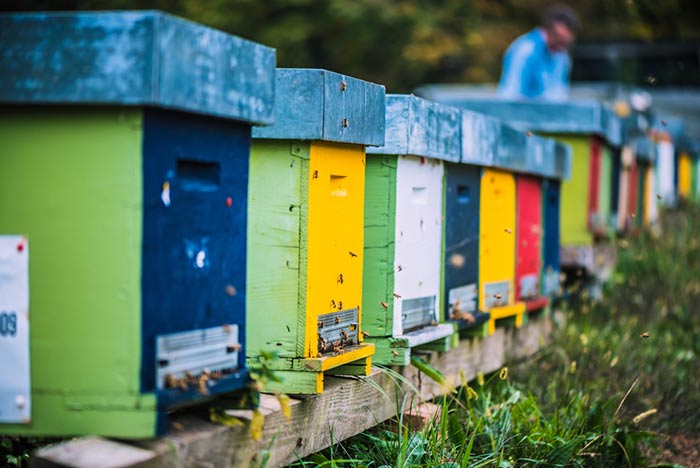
(339, 185)
(200, 176)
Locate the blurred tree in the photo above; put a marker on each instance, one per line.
(403, 43)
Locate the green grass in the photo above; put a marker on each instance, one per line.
(618, 371)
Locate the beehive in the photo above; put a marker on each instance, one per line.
(593, 133)
(665, 170)
(551, 210)
(529, 236)
(684, 175)
(305, 226)
(634, 156)
(461, 247)
(502, 153)
(403, 216)
(134, 202)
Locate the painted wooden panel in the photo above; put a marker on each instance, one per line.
(684, 176)
(642, 184)
(379, 245)
(575, 194)
(634, 214)
(419, 127)
(528, 234)
(313, 104)
(551, 199)
(627, 192)
(594, 178)
(134, 58)
(335, 233)
(497, 239)
(615, 179)
(278, 207)
(93, 263)
(601, 219)
(665, 172)
(571, 117)
(651, 208)
(418, 229)
(462, 205)
(696, 179)
(194, 242)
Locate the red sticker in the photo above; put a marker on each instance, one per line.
(229, 202)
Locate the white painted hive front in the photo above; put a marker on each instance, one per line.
(417, 257)
(665, 164)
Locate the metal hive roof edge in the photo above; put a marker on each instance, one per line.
(418, 127)
(133, 58)
(315, 104)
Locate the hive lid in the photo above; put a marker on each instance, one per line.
(488, 141)
(313, 104)
(418, 127)
(581, 116)
(134, 58)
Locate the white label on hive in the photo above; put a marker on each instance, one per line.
(15, 396)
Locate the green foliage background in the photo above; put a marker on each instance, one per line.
(403, 43)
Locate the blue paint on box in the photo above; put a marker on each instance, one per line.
(552, 194)
(419, 127)
(134, 58)
(204, 161)
(489, 142)
(462, 204)
(312, 104)
(581, 116)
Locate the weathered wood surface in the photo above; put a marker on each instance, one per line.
(348, 406)
(134, 58)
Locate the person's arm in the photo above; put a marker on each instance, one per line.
(516, 62)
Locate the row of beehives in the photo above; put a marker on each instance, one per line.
(170, 252)
(625, 163)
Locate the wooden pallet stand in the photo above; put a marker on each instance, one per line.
(348, 406)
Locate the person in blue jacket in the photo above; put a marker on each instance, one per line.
(537, 64)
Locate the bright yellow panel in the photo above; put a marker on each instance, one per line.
(335, 233)
(684, 169)
(497, 237)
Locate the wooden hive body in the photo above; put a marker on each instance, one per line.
(134, 201)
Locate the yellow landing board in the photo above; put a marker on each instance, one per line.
(516, 310)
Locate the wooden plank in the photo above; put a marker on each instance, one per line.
(132, 58)
(348, 406)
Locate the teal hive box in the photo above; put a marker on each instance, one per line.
(126, 141)
(402, 279)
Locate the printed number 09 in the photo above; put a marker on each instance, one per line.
(8, 324)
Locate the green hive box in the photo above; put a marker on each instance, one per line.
(305, 242)
(125, 169)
